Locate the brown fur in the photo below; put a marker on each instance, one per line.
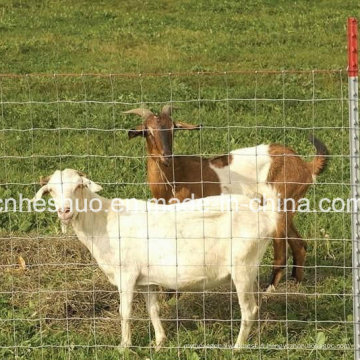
(222, 161)
(291, 176)
(181, 177)
(184, 176)
(172, 176)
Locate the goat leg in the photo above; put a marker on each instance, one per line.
(279, 245)
(298, 248)
(153, 310)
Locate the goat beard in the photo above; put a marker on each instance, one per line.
(66, 223)
(64, 227)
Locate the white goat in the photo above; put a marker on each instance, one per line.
(189, 246)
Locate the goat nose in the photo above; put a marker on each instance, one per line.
(64, 210)
(65, 214)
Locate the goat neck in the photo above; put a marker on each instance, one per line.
(161, 178)
(90, 226)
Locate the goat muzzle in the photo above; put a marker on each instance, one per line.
(165, 159)
(65, 215)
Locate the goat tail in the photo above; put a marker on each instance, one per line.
(317, 166)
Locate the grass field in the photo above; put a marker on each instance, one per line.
(61, 306)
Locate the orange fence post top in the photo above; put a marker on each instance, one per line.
(353, 65)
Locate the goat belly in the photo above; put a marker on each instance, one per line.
(183, 277)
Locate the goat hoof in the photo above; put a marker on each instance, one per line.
(238, 347)
(297, 279)
(297, 273)
(159, 344)
(123, 348)
(270, 289)
(158, 348)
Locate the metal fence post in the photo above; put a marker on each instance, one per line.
(355, 178)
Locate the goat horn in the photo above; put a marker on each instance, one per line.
(167, 110)
(144, 113)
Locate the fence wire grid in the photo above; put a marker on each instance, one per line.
(55, 302)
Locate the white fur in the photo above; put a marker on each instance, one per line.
(247, 172)
(181, 248)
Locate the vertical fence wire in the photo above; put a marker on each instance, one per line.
(196, 101)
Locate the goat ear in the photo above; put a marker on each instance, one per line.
(91, 185)
(185, 126)
(43, 190)
(82, 174)
(168, 109)
(44, 180)
(140, 130)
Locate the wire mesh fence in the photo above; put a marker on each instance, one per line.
(55, 301)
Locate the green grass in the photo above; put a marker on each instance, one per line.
(51, 311)
(146, 36)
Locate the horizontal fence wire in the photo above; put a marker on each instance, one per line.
(180, 74)
(55, 301)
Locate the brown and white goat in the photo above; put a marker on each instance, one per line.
(243, 171)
